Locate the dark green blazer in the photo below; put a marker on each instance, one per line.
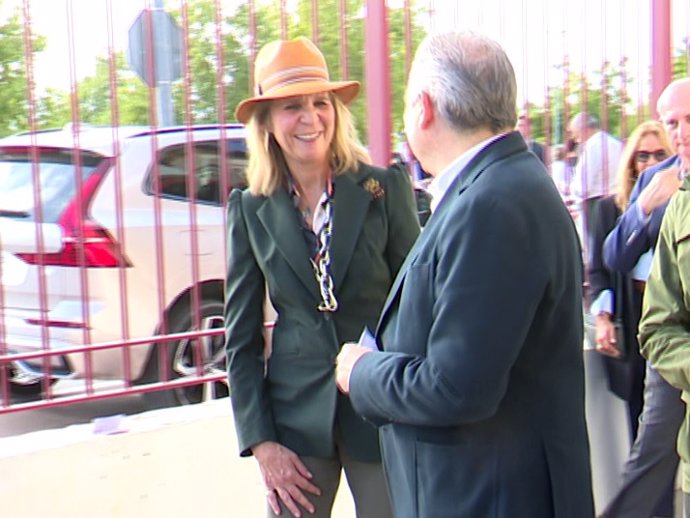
(293, 399)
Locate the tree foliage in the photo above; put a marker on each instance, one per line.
(14, 105)
(199, 22)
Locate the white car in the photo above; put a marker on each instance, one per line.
(112, 235)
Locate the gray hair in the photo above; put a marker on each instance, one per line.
(584, 119)
(470, 79)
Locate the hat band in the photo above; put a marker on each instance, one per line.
(291, 76)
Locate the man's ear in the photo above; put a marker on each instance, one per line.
(428, 114)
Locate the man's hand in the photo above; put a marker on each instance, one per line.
(661, 187)
(606, 336)
(348, 356)
(285, 477)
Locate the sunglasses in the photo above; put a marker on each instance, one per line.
(644, 156)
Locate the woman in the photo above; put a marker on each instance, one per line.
(324, 234)
(646, 146)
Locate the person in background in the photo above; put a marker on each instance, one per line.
(324, 234)
(525, 129)
(646, 146)
(664, 327)
(561, 171)
(595, 171)
(479, 387)
(647, 488)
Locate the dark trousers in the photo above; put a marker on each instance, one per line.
(650, 471)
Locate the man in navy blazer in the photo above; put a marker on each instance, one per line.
(638, 228)
(478, 390)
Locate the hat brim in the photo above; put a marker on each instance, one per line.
(345, 90)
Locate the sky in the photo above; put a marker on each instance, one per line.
(533, 32)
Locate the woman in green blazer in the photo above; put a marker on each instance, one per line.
(325, 233)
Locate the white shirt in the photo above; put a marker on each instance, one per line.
(442, 181)
(595, 172)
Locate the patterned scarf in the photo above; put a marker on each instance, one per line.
(321, 262)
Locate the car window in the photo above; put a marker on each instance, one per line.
(57, 178)
(205, 164)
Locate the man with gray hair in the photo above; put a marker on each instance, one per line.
(475, 372)
(595, 172)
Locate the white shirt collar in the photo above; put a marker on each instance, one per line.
(441, 182)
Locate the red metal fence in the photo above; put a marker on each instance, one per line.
(112, 249)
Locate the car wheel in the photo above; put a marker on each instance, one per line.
(181, 358)
(30, 389)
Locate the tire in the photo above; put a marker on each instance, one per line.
(22, 392)
(180, 358)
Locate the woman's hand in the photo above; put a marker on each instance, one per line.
(606, 336)
(285, 477)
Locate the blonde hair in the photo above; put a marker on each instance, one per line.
(267, 169)
(627, 170)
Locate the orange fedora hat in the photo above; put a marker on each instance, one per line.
(288, 68)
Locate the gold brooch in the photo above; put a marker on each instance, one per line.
(374, 187)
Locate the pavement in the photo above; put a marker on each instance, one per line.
(166, 463)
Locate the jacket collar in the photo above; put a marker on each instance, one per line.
(349, 212)
(497, 150)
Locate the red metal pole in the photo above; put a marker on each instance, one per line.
(661, 49)
(378, 82)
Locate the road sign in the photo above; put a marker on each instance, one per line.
(155, 32)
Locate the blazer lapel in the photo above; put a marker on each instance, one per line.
(500, 148)
(350, 206)
(278, 218)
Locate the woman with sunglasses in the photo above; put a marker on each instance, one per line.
(646, 146)
(324, 234)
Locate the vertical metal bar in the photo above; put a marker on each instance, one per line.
(222, 106)
(117, 171)
(408, 38)
(190, 165)
(36, 182)
(546, 115)
(161, 348)
(378, 82)
(315, 22)
(252, 43)
(661, 49)
(283, 20)
(76, 123)
(344, 65)
(643, 73)
(525, 46)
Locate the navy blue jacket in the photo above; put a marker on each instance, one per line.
(632, 236)
(479, 394)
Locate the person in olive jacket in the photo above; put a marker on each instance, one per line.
(323, 233)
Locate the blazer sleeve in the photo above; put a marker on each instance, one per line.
(600, 278)
(244, 343)
(630, 238)
(402, 217)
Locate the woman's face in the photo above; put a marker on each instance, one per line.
(304, 127)
(649, 152)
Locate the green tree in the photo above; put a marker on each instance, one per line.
(680, 63)
(14, 105)
(95, 95)
(202, 90)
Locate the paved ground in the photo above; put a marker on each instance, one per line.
(164, 464)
